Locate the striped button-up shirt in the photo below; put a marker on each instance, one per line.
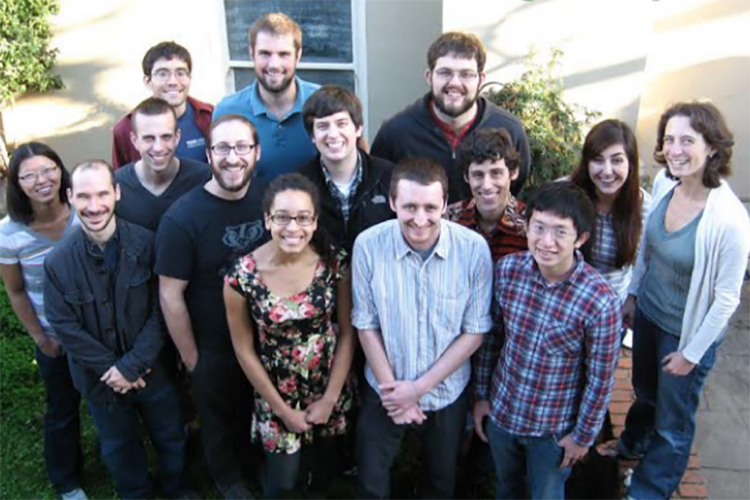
(556, 370)
(421, 307)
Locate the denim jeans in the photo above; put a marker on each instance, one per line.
(63, 458)
(522, 462)
(661, 422)
(122, 446)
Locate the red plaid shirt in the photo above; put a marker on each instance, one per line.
(509, 236)
(555, 372)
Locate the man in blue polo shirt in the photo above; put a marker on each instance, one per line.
(274, 101)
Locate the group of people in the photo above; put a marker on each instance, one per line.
(318, 297)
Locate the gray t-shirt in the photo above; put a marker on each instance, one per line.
(671, 258)
(21, 245)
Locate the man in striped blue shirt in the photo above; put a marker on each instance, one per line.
(422, 289)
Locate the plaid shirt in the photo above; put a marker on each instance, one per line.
(509, 236)
(556, 370)
(344, 202)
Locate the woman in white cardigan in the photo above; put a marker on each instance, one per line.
(685, 287)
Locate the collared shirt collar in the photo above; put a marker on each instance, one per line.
(357, 175)
(259, 107)
(442, 248)
(509, 219)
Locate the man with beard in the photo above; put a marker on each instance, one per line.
(150, 185)
(198, 239)
(274, 101)
(436, 124)
(167, 69)
(100, 297)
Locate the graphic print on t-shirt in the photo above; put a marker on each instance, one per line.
(240, 237)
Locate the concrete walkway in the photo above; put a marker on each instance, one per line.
(723, 434)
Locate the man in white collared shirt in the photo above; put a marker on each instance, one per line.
(422, 294)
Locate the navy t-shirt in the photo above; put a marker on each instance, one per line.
(139, 206)
(198, 239)
(192, 141)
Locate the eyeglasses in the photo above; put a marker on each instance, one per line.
(33, 177)
(240, 149)
(302, 220)
(557, 233)
(465, 75)
(163, 75)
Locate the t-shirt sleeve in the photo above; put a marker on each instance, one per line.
(175, 250)
(239, 275)
(340, 264)
(8, 251)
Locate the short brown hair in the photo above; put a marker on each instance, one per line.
(329, 100)
(707, 120)
(464, 45)
(168, 51)
(276, 24)
(152, 106)
(488, 144)
(230, 118)
(423, 171)
(94, 164)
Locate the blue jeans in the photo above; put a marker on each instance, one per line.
(661, 422)
(520, 460)
(122, 446)
(63, 458)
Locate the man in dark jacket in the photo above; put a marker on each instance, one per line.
(434, 125)
(101, 298)
(353, 185)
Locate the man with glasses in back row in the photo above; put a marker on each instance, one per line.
(198, 238)
(436, 124)
(167, 69)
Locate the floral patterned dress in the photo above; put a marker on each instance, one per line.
(297, 346)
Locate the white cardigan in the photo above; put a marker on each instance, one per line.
(722, 245)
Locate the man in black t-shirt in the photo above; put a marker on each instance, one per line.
(198, 238)
(152, 184)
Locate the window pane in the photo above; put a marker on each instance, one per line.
(245, 76)
(326, 27)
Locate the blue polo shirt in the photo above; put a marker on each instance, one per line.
(284, 143)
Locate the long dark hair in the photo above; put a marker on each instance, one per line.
(320, 241)
(19, 205)
(627, 208)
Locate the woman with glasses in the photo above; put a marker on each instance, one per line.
(38, 217)
(290, 288)
(685, 287)
(609, 174)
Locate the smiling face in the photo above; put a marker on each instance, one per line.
(454, 84)
(156, 139)
(685, 149)
(336, 136)
(609, 170)
(287, 220)
(275, 59)
(39, 178)
(93, 197)
(419, 209)
(233, 172)
(490, 185)
(552, 241)
(170, 80)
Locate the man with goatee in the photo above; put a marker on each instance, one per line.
(436, 124)
(198, 238)
(274, 101)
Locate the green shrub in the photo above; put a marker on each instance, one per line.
(553, 126)
(10, 325)
(26, 59)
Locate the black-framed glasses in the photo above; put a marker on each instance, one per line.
(239, 149)
(302, 220)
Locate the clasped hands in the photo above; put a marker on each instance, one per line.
(114, 379)
(400, 398)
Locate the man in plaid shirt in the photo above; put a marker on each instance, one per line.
(546, 391)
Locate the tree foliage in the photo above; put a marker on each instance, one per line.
(26, 59)
(553, 126)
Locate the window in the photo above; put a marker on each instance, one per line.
(332, 40)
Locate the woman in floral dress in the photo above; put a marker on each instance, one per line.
(290, 288)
